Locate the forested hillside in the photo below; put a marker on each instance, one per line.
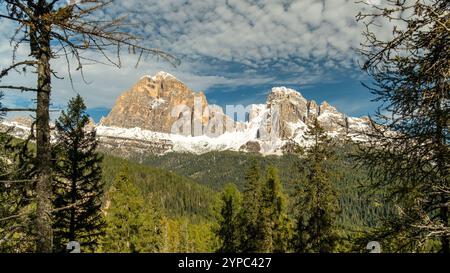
(178, 195)
(184, 190)
(193, 178)
(215, 169)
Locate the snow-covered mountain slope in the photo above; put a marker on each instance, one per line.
(147, 119)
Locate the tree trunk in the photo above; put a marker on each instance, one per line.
(43, 157)
(73, 193)
(441, 123)
(444, 239)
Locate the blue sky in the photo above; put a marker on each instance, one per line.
(235, 51)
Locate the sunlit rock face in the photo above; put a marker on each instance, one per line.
(156, 104)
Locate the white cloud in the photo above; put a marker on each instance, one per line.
(231, 43)
(252, 31)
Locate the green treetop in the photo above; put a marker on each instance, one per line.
(133, 225)
(78, 186)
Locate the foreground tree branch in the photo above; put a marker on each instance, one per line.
(15, 66)
(19, 88)
(17, 110)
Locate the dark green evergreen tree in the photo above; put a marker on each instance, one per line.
(17, 210)
(274, 230)
(78, 186)
(409, 142)
(317, 205)
(229, 229)
(16, 193)
(251, 202)
(134, 225)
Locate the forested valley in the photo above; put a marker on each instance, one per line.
(215, 202)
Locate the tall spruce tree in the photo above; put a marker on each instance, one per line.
(251, 202)
(273, 233)
(228, 230)
(134, 225)
(317, 203)
(78, 186)
(409, 144)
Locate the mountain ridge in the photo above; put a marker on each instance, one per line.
(266, 128)
(160, 114)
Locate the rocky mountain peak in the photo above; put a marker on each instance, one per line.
(161, 103)
(294, 113)
(326, 107)
(287, 106)
(164, 75)
(281, 94)
(152, 102)
(159, 114)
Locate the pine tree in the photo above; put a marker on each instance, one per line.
(228, 230)
(250, 208)
(273, 223)
(133, 225)
(17, 209)
(409, 144)
(78, 186)
(317, 204)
